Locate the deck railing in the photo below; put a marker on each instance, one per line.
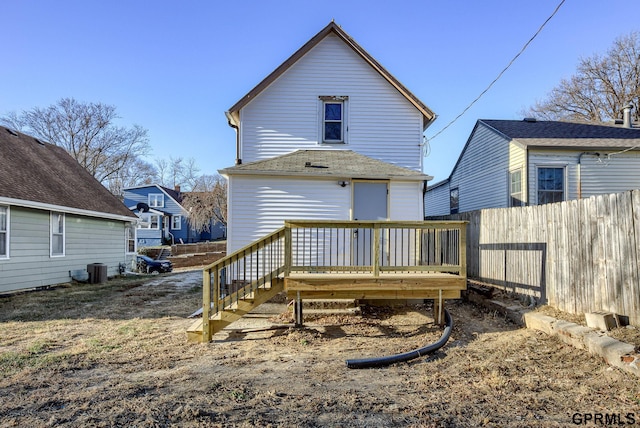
(375, 247)
(368, 247)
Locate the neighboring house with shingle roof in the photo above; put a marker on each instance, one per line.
(329, 135)
(55, 217)
(508, 163)
(163, 219)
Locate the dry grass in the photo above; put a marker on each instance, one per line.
(116, 355)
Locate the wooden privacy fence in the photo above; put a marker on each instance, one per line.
(578, 256)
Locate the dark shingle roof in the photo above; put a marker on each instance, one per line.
(43, 173)
(566, 134)
(328, 163)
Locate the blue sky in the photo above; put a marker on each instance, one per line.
(176, 67)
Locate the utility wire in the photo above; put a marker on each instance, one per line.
(502, 72)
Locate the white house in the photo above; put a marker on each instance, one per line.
(331, 135)
(55, 217)
(507, 163)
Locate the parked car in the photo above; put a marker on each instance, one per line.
(149, 265)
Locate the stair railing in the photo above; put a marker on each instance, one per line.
(238, 275)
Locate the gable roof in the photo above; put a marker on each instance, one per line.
(326, 163)
(233, 115)
(566, 135)
(41, 175)
(173, 194)
(554, 135)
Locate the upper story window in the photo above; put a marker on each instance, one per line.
(57, 234)
(333, 116)
(176, 222)
(550, 185)
(150, 221)
(454, 201)
(515, 188)
(156, 200)
(4, 232)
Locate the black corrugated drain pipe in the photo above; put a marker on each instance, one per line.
(407, 356)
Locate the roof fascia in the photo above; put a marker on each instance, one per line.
(233, 114)
(266, 174)
(63, 209)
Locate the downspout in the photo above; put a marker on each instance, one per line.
(579, 170)
(232, 124)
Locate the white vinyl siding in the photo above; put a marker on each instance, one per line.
(283, 118)
(88, 240)
(436, 201)
(481, 175)
(405, 201)
(261, 204)
(618, 173)
(598, 174)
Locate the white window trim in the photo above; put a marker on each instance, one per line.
(510, 189)
(173, 222)
(344, 100)
(565, 179)
(130, 227)
(156, 199)
(150, 222)
(7, 234)
(64, 234)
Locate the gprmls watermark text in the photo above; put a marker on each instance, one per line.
(606, 419)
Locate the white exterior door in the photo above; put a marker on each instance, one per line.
(370, 202)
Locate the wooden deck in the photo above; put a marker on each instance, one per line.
(368, 286)
(364, 260)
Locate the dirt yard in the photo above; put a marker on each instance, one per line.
(116, 355)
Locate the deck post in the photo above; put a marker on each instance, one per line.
(297, 310)
(206, 304)
(376, 250)
(437, 308)
(463, 250)
(287, 249)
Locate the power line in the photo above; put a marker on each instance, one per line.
(502, 72)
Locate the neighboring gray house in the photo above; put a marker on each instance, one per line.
(55, 217)
(329, 135)
(507, 163)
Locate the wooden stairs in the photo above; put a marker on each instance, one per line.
(235, 306)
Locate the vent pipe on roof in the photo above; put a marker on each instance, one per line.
(626, 115)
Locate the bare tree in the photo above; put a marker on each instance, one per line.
(87, 132)
(207, 202)
(177, 172)
(136, 173)
(601, 87)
